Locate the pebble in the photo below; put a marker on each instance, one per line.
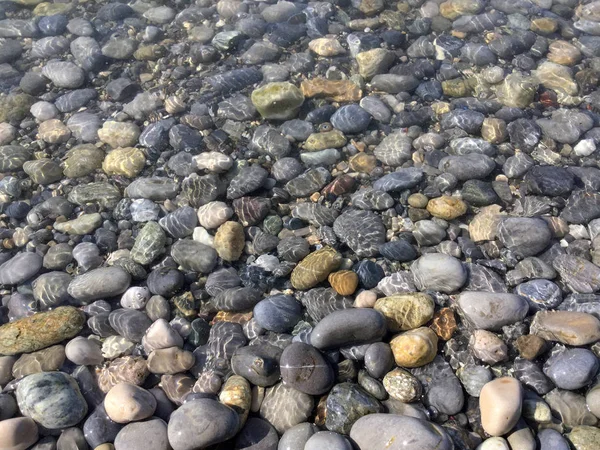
(348, 327)
(500, 401)
(414, 348)
(406, 311)
(52, 399)
(24, 336)
(201, 423)
(438, 272)
(567, 327)
(378, 430)
(476, 306)
(127, 402)
(571, 369)
(18, 433)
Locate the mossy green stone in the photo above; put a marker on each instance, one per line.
(148, 244)
(278, 101)
(41, 330)
(322, 141)
(15, 107)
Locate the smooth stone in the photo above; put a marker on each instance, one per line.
(439, 272)
(85, 352)
(93, 285)
(571, 369)
(348, 327)
(257, 434)
(201, 423)
(278, 313)
(40, 330)
(592, 400)
(304, 368)
(129, 323)
(362, 231)
(151, 434)
(488, 347)
(278, 101)
(500, 401)
(46, 360)
(406, 311)
(229, 241)
(524, 236)
(396, 432)
(127, 402)
(52, 399)
(314, 268)
(578, 274)
(401, 385)
(491, 311)
(329, 440)
(549, 439)
(161, 335)
(283, 407)
(414, 348)
(351, 119)
(18, 433)
(259, 364)
(20, 267)
(568, 327)
(584, 437)
(295, 438)
(194, 256)
(399, 180)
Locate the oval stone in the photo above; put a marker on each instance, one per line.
(348, 327)
(304, 368)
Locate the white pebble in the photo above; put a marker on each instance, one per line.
(585, 147)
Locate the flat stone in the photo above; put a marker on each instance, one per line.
(491, 311)
(568, 327)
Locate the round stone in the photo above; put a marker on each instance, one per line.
(439, 272)
(415, 348)
(52, 399)
(304, 368)
(126, 402)
(18, 433)
(151, 434)
(201, 423)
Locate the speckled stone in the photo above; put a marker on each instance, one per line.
(40, 330)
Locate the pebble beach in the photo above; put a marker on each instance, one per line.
(300, 225)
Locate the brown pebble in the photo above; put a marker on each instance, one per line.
(530, 346)
(343, 282)
(444, 323)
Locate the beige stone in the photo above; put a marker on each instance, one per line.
(18, 433)
(563, 52)
(46, 360)
(494, 130)
(484, 225)
(494, 443)
(592, 400)
(229, 241)
(568, 327)
(488, 347)
(415, 348)
(366, 299)
(237, 394)
(170, 360)
(127, 161)
(325, 140)
(556, 77)
(53, 131)
(372, 62)
(446, 207)
(406, 311)
(127, 402)
(584, 437)
(500, 402)
(326, 47)
(335, 90)
(402, 385)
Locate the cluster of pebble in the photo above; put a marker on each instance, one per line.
(310, 225)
